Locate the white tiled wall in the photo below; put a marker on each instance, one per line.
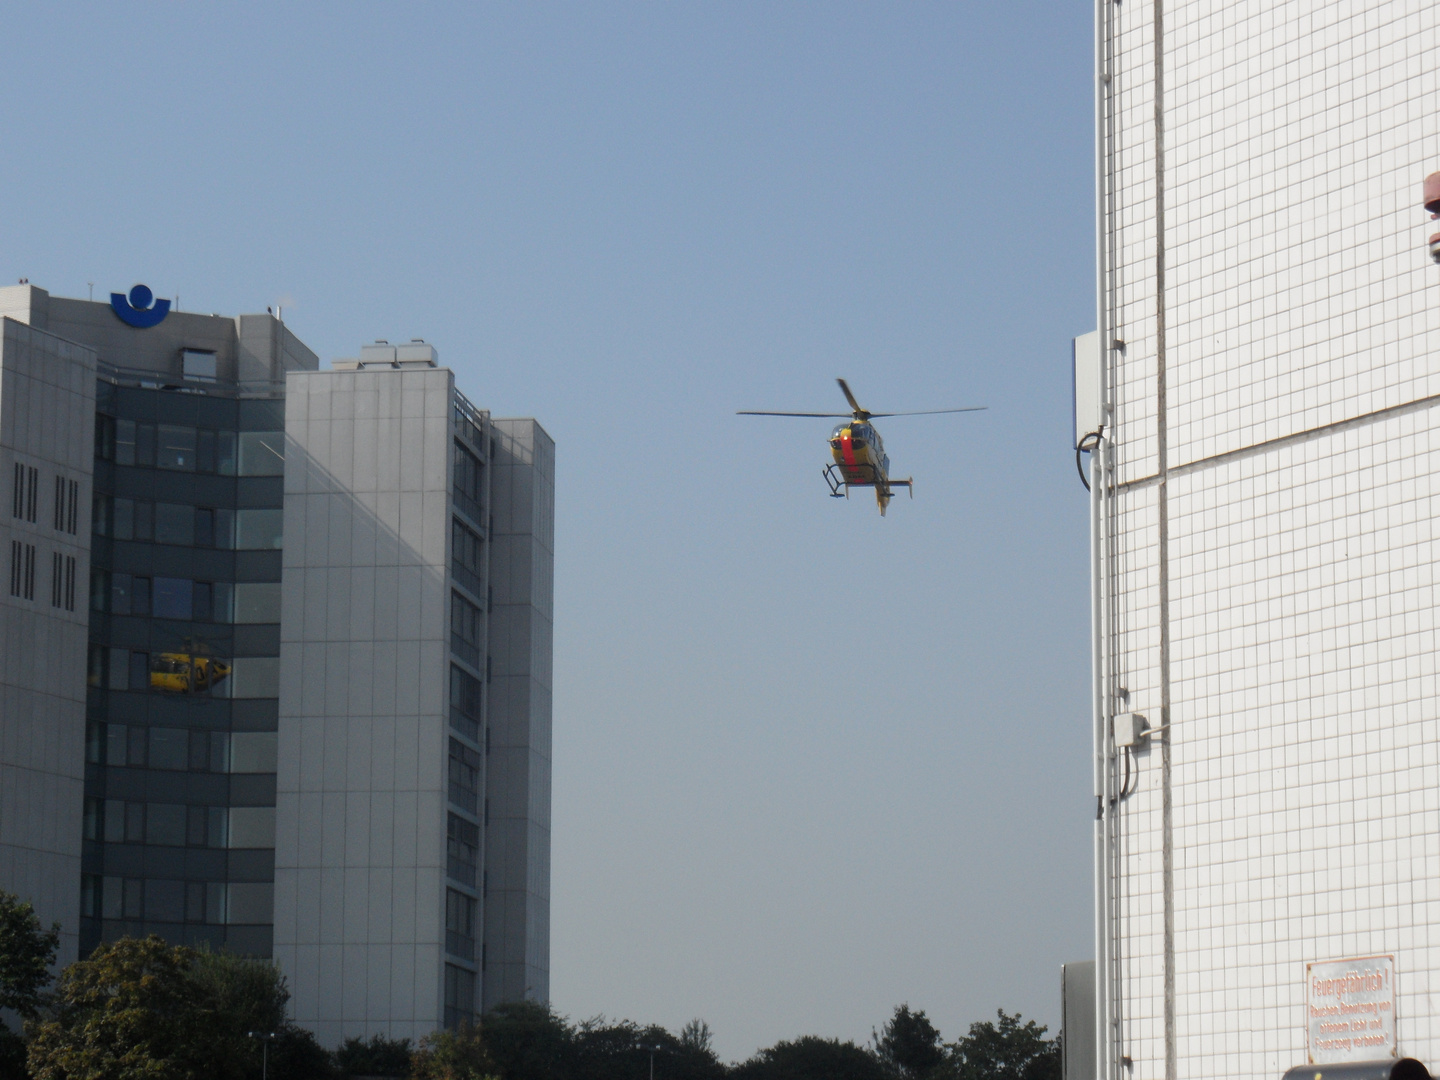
(1306, 741)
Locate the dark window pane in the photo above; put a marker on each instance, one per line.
(173, 598)
(225, 453)
(115, 744)
(177, 448)
(135, 754)
(139, 671)
(174, 524)
(114, 822)
(144, 444)
(101, 511)
(134, 823)
(262, 453)
(195, 901)
(165, 824)
(169, 748)
(165, 901)
(225, 529)
(195, 826)
(205, 528)
(123, 523)
(140, 596)
(462, 849)
(202, 596)
(99, 588)
(133, 895)
(120, 594)
(144, 520)
(259, 530)
(125, 442)
(105, 437)
(205, 451)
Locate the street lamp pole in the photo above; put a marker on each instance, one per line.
(653, 1049)
(265, 1037)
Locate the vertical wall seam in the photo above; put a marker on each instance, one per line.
(1167, 847)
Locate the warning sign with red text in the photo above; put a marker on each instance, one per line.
(1350, 1009)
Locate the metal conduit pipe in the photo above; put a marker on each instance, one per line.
(1101, 596)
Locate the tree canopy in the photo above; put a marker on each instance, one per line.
(140, 1009)
(26, 953)
(1004, 1050)
(909, 1045)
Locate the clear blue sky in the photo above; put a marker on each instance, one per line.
(808, 763)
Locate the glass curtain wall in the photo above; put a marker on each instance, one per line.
(184, 668)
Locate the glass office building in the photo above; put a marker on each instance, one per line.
(275, 658)
(183, 668)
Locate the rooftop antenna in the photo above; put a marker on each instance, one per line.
(92, 289)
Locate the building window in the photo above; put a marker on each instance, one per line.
(464, 629)
(467, 559)
(464, 776)
(67, 505)
(22, 570)
(464, 703)
(62, 581)
(104, 437)
(469, 478)
(27, 489)
(460, 924)
(459, 996)
(462, 849)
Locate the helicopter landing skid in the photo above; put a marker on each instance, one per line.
(840, 486)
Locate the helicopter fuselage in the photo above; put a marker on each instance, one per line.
(860, 460)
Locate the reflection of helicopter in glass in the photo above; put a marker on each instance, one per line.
(859, 452)
(187, 672)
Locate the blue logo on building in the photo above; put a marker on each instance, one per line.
(137, 310)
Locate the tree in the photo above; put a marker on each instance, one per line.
(26, 953)
(1006, 1050)
(145, 1010)
(126, 1013)
(909, 1045)
(624, 1051)
(377, 1057)
(527, 1041)
(452, 1055)
(811, 1058)
(696, 1036)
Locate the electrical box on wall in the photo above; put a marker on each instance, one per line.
(1131, 729)
(1085, 385)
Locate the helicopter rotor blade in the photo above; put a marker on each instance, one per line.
(826, 415)
(934, 412)
(845, 389)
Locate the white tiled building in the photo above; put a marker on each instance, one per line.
(1267, 525)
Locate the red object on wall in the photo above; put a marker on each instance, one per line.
(1432, 193)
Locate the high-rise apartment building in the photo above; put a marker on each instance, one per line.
(277, 647)
(1264, 404)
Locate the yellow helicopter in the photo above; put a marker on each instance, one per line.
(858, 450)
(189, 672)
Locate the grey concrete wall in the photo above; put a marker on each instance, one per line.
(361, 803)
(248, 348)
(517, 840)
(47, 421)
